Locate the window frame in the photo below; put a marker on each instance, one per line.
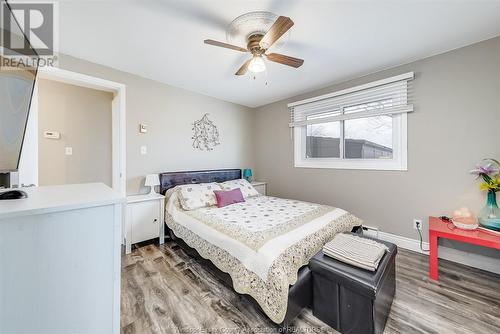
(397, 163)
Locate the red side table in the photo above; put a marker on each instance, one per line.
(439, 228)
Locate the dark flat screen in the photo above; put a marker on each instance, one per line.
(16, 88)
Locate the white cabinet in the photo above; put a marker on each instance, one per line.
(144, 219)
(261, 187)
(60, 260)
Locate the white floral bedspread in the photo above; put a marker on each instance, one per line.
(260, 218)
(287, 234)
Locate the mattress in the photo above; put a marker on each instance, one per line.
(261, 243)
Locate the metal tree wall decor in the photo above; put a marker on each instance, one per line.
(205, 134)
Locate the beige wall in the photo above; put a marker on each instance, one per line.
(456, 123)
(169, 113)
(83, 117)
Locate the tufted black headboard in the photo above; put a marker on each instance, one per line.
(171, 179)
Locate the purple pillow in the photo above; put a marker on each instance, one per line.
(228, 197)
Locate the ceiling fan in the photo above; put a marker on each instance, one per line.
(258, 43)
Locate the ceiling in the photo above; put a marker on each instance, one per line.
(339, 40)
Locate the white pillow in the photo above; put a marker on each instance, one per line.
(246, 188)
(195, 196)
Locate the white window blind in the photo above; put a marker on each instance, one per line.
(384, 97)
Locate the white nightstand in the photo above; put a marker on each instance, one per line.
(144, 219)
(261, 187)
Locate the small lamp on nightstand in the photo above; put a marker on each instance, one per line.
(247, 174)
(152, 180)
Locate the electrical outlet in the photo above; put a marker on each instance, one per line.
(417, 224)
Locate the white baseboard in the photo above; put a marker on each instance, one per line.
(469, 259)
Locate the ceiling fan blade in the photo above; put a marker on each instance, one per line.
(244, 68)
(224, 45)
(285, 60)
(277, 30)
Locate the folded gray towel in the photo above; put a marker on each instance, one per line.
(360, 252)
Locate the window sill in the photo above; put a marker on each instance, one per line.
(354, 165)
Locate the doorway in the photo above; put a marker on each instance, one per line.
(29, 166)
(74, 134)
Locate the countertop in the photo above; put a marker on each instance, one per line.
(48, 199)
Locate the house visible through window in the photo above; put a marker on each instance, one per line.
(360, 128)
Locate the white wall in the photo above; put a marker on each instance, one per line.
(28, 162)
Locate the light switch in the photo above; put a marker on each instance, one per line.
(68, 150)
(144, 150)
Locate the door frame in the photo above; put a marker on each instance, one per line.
(118, 118)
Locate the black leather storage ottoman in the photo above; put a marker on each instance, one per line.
(351, 299)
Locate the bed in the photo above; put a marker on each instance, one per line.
(260, 247)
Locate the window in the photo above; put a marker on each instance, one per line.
(359, 128)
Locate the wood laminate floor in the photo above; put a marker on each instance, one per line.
(166, 291)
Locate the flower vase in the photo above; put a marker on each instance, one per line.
(489, 217)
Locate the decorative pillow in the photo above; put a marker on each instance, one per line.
(195, 196)
(246, 188)
(225, 198)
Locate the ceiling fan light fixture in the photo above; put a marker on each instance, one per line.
(258, 42)
(257, 65)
